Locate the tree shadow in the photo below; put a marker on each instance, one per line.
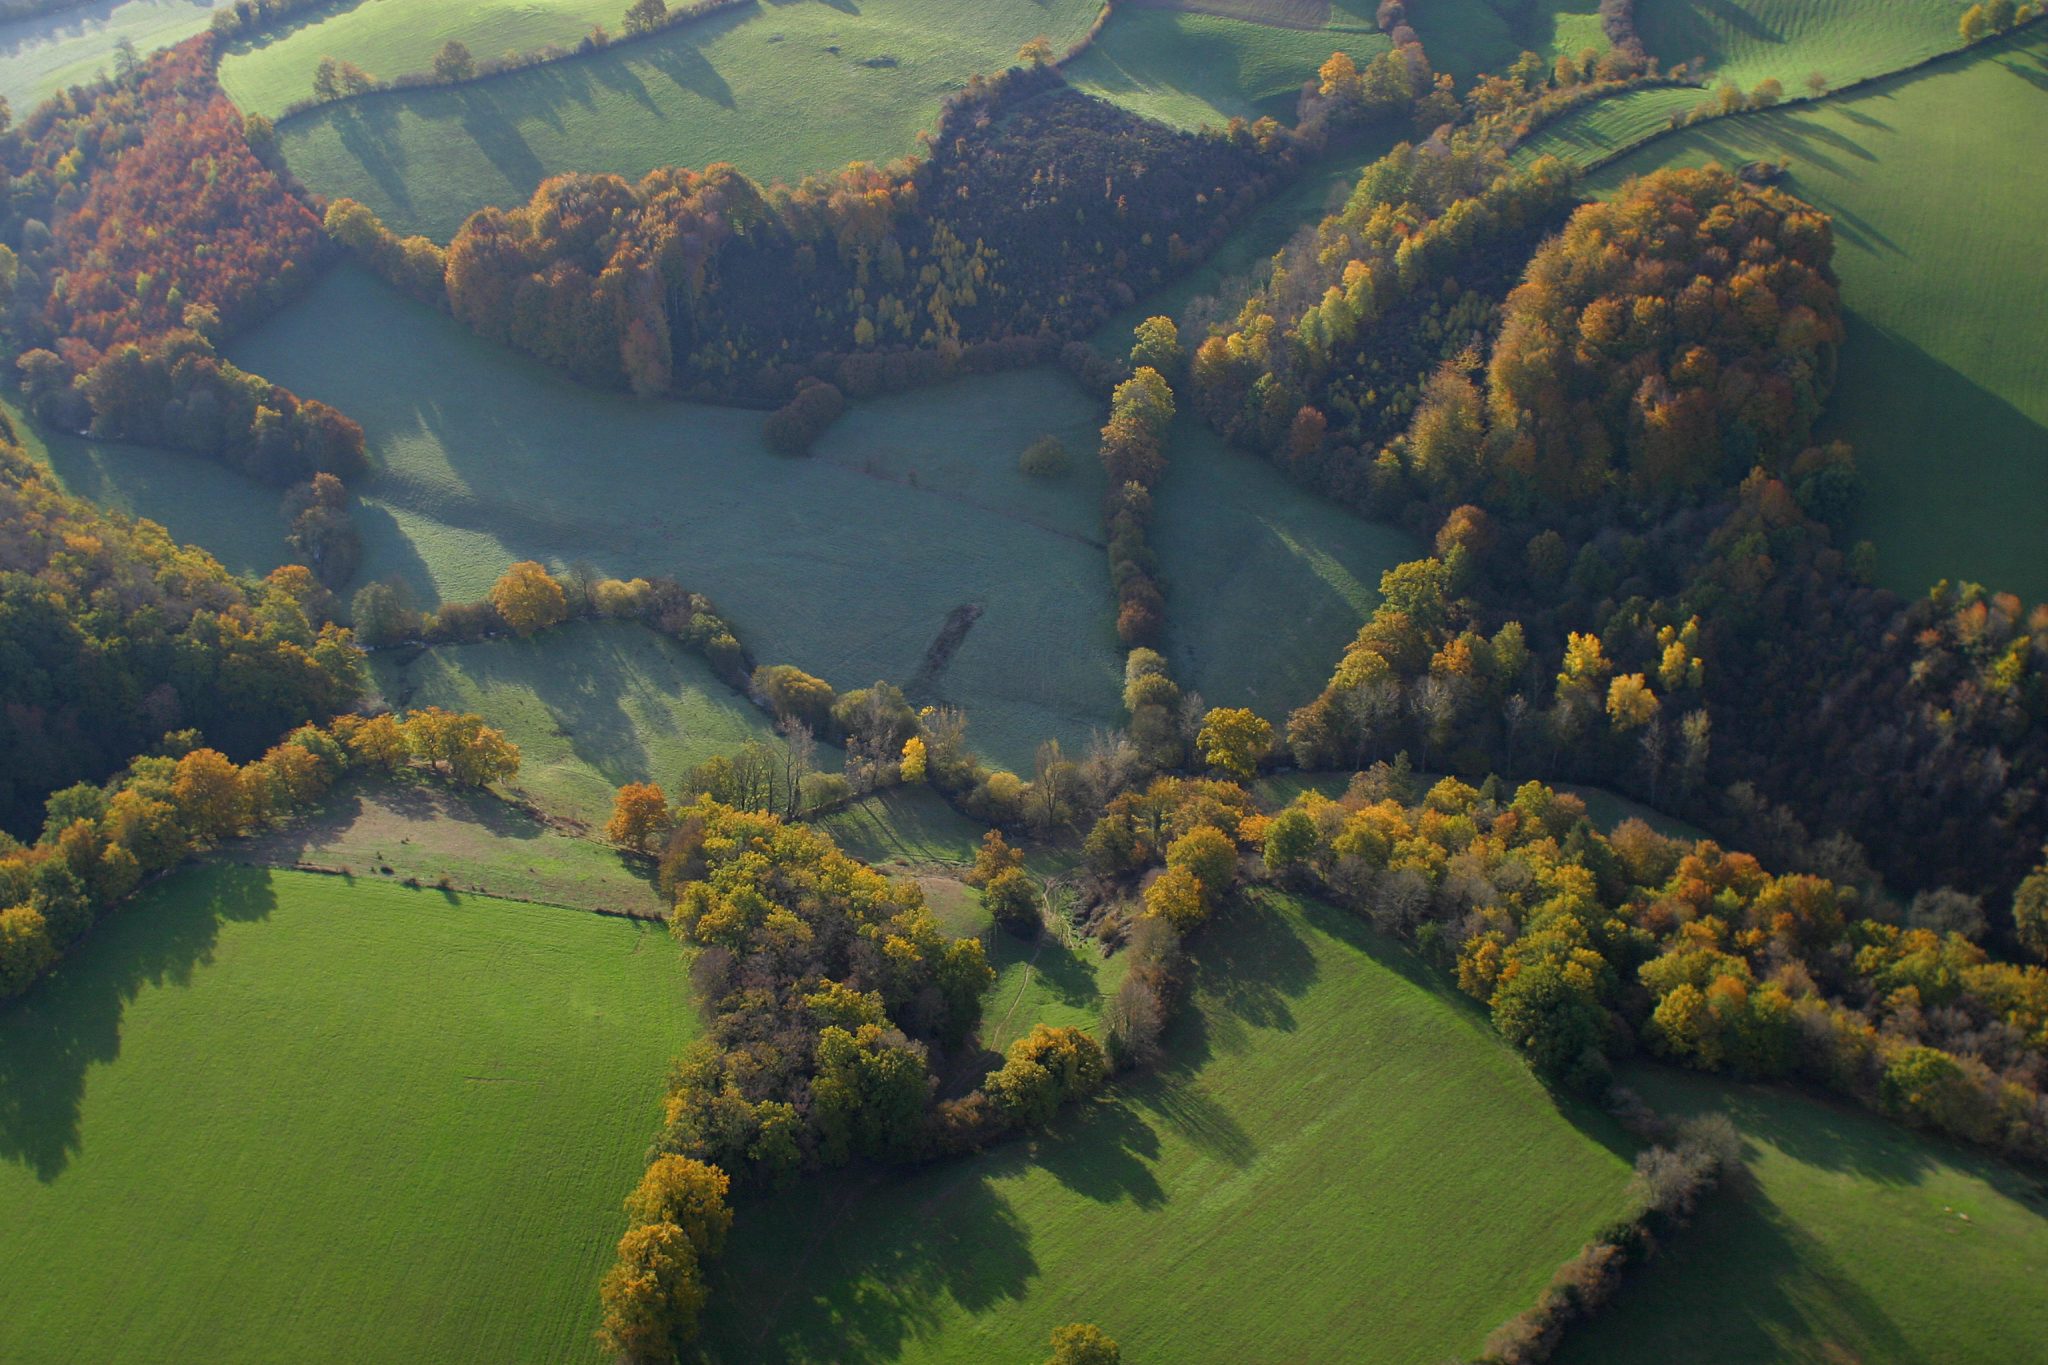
(71, 1019)
(852, 1267)
(1101, 1152)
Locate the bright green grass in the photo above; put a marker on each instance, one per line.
(1265, 582)
(426, 832)
(394, 37)
(592, 705)
(485, 458)
(1844, 40)
(759, 87)
(1046, 980)
(278, 1116)
(40, 56)
(907, 827)
(1937, 197)
(1338, 1157)
(1599, 130)
(1855, 1240)
(1194, 69)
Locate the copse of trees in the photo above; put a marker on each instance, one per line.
(1134, 456)
(115, 634)
(99, 843)
(655, 1289)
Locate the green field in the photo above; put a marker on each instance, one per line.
(484, 458)
(278, 1116)
(1265, 582)
(781, 90)
(905, 829)
(1322, 1092)
(1599, 130)
(1853, 1239)
(40, 56)
(592, 705)
(1465, 37)
(1194, 69)
(474, 841)
(1746, 41)
(1943, 387)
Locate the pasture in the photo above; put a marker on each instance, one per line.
(1851, 1238)
(1747, 41)
(471, 841)
(1943, 391)
(781, 90)
(270, 1116)
(45, 54)
(592, 705)
(847, 571)
(1194, 69)
(1266, 582)
(1465, 37)
(1316, 1057)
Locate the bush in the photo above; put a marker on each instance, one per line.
(1045, 458)
(1013, 901)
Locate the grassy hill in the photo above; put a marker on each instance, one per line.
(40, 56)
(1191, 69)
(779, 89)
(1465, 37)
(845, 570)
(1266, 582)
(1851, 1239)
(591, 705)
(1746, 41)
(1942, 389)
(258, 1104)
(1336, 1152)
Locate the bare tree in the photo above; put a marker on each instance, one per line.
(1110, 765)
(1371, 709)
(1434, 701)
(1514, 714)
(799, 759)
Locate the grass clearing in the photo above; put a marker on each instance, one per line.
(592, 705)
(484, 458)
(47, 53)
(904, 830)
(1852, 1239)
(781, 90)
(1598, 130)
(1747, 41)
(1315, 1057)
(427, 833)
(1937, 199)
(1266, 582)
(257, 1104)
(1190, 69)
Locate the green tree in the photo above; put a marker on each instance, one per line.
(1234, 739)
(1013, 901)
(1156, 343)
(645, 16)
(453, 62)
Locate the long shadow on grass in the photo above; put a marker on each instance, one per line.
(71, 1020)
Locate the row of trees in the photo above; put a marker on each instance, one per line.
(99, 842)
(113, 634)
(1584, 947)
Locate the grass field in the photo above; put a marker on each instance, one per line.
(1943, 390)
(1191, 69)
(484, 458)
(592, 705)
(476, 842)
(1853, 1240)
(1746, 41)
(277, 1116)
(1316, 1058)
(1465, 37)
(779, 89)
(1237, 539)
(40, 56)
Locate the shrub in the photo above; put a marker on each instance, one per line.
(1045, 458)
(1013, 901)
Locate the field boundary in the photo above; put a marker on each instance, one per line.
(416, 884)
(1973, 51)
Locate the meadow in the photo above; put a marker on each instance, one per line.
(1191, 69)
(1942, 389)
(592, 705)
(847, 571)
(1465, 37)
(256, 1102)
(1315, 1057)
(1236, 538)
(1747, 42)
(42, 55)
(425, 832)
(780, 90)
(1850, 1238)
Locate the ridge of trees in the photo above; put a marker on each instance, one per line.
(100, 842)
(113, 634)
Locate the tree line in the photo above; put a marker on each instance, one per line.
(99, 842)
